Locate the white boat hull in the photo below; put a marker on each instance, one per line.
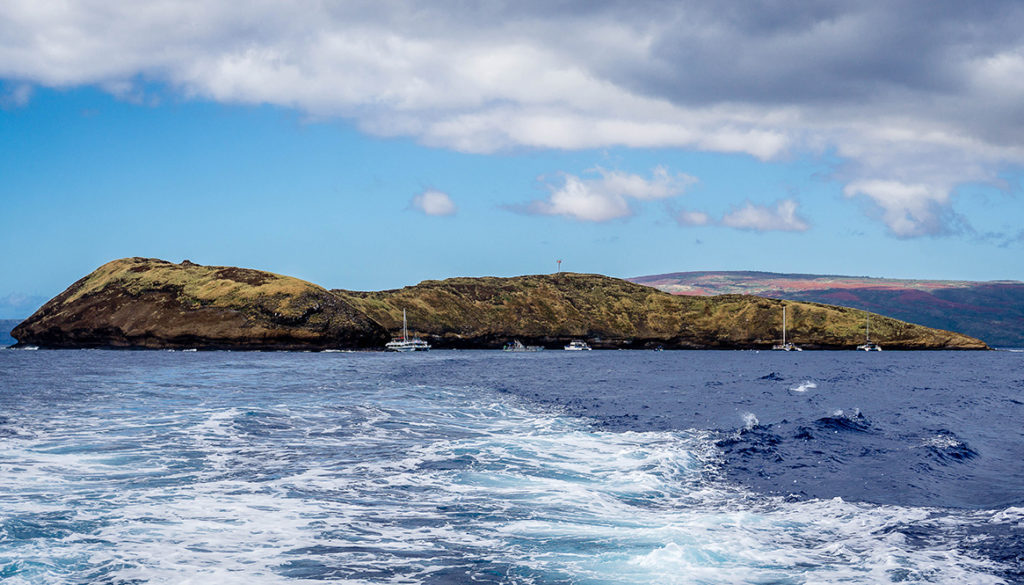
(405, 346)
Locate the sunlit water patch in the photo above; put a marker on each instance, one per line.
(252, 469)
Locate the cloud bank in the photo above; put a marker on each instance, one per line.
(914, 97)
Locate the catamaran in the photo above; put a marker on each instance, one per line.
(785, 346)
(867, 345)
(406, 344)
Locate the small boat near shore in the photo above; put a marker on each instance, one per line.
(867, 345)
(577, 345)
(517, 346)
(785, 345)
(404, 344)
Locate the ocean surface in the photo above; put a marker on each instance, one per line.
(617, 467)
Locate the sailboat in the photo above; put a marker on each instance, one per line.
(785, 346)
(406, 344)
(867, 345)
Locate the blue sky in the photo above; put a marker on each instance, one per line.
(370, 146)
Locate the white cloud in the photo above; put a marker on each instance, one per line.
(433, 202)
(908, 210)
(761, 218)
(768, 81)
(692, 218)
(608, 196)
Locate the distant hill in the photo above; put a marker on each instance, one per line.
(992, 311)
(6, 325)
(18, 306)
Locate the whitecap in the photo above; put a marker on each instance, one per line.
(941, 442)
(804, 386)
(750, 420)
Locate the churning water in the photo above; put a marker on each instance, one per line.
(484, 467)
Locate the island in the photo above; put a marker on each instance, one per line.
(151, 303)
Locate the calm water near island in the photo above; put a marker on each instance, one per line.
(488, 467)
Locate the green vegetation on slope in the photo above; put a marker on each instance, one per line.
(142, 302)
(551, 309)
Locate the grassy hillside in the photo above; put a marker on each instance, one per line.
(142, 302)
(552, 309)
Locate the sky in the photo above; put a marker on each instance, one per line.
(373, 145)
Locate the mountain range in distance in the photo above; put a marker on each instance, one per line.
(6, 325)
(992, 311)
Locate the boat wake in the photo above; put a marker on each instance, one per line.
(335, 471)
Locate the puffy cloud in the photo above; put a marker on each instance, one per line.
(433, 202)
(763, 218)
(908, 210)
(608, 196)
(909, 93)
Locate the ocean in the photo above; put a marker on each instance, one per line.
(603, 467)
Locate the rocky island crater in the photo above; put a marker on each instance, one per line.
(140, 303)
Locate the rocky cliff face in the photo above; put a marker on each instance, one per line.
(146, 303)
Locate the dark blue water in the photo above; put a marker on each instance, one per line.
(553, 467)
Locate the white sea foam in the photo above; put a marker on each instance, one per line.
(393, 484)
(941, 442)
(804, 386)
(750, 420)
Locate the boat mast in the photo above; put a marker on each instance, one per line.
(405, 329)
(867, 333)
(783, 324)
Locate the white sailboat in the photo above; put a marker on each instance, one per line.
(867, 345)
(785, 346)
(406, 344)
